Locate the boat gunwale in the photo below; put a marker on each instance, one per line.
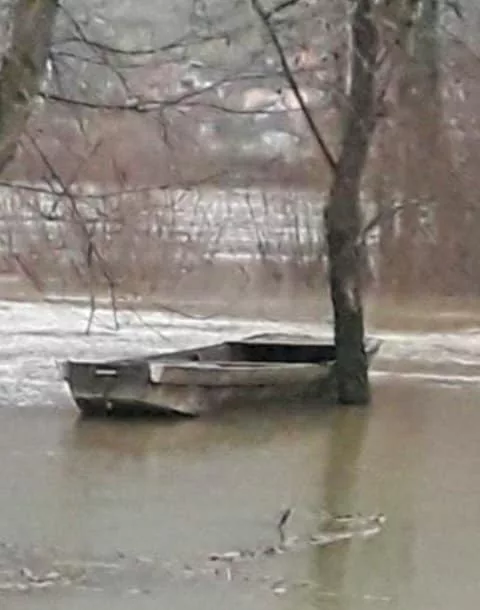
(273, 371)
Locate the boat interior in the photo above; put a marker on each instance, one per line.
(257, 352)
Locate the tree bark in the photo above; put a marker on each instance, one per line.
(23, 68)
(343, 214)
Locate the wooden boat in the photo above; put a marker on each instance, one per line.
(260, 368)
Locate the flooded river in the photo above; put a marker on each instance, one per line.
(125, 514)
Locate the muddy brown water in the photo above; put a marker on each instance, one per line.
(126, 513)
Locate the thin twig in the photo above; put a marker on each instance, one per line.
(282, 524)
(263, 15)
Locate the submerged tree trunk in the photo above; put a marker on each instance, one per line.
(23, 68)
(343, 218)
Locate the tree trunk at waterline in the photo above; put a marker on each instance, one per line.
(345, 275)
(343, 217)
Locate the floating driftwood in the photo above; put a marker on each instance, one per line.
(335, 529)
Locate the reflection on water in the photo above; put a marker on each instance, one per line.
(240, 428)
(348, 429)
(175, 491)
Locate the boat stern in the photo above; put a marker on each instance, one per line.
(98, 386)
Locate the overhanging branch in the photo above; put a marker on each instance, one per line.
(264, 17)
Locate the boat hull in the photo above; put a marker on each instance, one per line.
(197, 381)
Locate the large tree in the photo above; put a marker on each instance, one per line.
(379, 35)
(343, 216)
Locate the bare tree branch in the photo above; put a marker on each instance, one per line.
(187, 40)
(264, 17)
